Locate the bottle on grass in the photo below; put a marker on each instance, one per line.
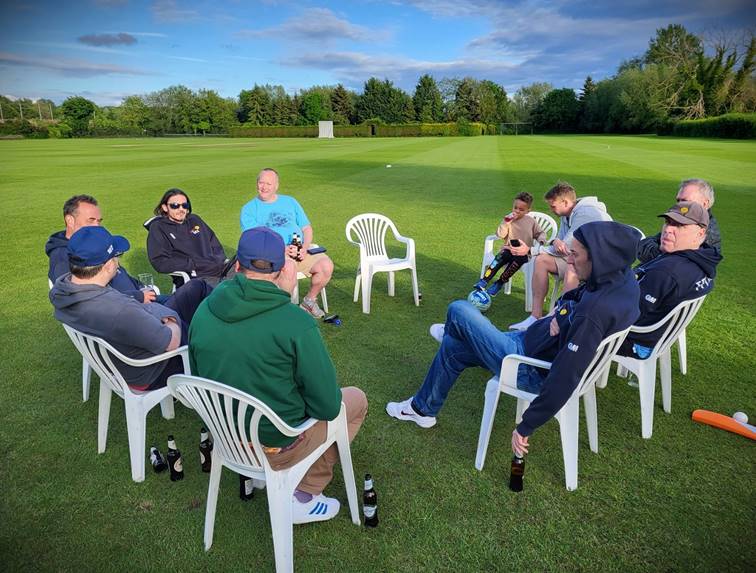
(516, 473)
(205, 449)
(246, 488)
(175, 463)
(370, 503)
(157, 461)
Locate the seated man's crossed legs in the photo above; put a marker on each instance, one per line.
(319, 268)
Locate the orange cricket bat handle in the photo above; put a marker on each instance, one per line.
(724, 423)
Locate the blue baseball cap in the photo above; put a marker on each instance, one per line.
(92, 246)
(263, 245)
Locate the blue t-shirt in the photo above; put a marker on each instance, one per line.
(284, 215)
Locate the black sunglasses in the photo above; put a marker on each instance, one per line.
(177, 205)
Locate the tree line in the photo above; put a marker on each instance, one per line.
(674, 79)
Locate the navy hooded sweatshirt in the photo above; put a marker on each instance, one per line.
(665, 282)
(57, 249)
(606, 303)
(190, 246)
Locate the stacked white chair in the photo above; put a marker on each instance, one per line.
(236, 445)
(368, 232)
(568, 416)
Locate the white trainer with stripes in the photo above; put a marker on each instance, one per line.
(319, 508)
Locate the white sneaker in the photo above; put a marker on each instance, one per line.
(405, 412)
(524, 325)
(319, 508)
(311, 306)
(437, 331)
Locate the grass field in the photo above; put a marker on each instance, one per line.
(682, 501)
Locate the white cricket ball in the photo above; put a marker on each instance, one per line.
(740, 417)
(388, 166)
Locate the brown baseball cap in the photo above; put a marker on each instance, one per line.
(688, 213)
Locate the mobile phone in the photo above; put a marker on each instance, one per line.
(316, 250)
(515, 242)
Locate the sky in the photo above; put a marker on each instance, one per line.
(106, 50)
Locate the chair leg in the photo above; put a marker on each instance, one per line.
(682, 352)
(391, 289)
(568, 432)
(345, 457)
(665, 372)
(508, 287)
(279, 505)
(591, 417)
(136, 426)
(166, 407)
(212, 499)
(295, 293)
(528, 275)
(103, 416)
(357, 283)
(367, 283)
(522, 405)
(647, 389)
(86, 378)
(415, 286)
(603, 381)
(486, 422)
(324, 299)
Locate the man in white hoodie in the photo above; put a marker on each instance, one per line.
(552, 260)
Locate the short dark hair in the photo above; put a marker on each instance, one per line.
(172, 192)
(84, 272)
(260, 267)
(525, 197)
(561, 190)
(70, 206)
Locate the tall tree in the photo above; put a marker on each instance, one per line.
(527, 98)
(342, 103)
(380, 100)
(557, 112)
(77, 111)
(427, 100)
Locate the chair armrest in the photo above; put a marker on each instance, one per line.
(182, 351)
(652, 327)
(182, 275)
(407, 241)
(511, 362)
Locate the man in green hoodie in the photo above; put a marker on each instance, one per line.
(248, 335)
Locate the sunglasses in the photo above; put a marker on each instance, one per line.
(177, 205)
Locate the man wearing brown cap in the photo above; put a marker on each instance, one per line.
(684, 270)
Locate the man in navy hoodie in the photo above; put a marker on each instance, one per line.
(684, 270)
(606, 302)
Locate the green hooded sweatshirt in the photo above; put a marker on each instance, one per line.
(248, 335)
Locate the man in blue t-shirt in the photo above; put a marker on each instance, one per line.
(285, 215)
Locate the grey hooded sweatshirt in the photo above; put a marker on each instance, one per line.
(133, 328)
(586, 210)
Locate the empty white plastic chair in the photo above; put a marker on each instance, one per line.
(236, 445)
(368, 232)
(568, 416)
(100, 355)
(645, 370)
(548, 225)
(295, 292)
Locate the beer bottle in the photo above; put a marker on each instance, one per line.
(246, 488)
(175, 463)
(518, 469)
(370, 503)
(297, 242)
(157, 461)
(205, 447)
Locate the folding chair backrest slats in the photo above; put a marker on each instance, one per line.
(604, 354)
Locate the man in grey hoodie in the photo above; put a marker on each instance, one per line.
(84, 300)
(552, 260)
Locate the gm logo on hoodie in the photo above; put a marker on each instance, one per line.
(573, 347)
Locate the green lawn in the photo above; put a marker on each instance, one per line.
(678, 502)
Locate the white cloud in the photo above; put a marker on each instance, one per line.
(79, 68)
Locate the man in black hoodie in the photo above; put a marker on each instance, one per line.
(684, 270)
(605, 303)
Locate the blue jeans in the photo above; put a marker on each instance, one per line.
(470, 340)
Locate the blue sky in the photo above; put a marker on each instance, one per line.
(108, 49)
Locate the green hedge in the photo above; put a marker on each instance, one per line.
(731, 125)
(352, 130)
(23, 128)
(274, 131)
(368, 129)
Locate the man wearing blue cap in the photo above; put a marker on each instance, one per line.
(84, 300)
(249, 335)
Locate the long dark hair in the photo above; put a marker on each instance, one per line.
(165, 198)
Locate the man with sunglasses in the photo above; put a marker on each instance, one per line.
(695, 190)
(684, 269)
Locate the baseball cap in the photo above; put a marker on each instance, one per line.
(92, 246)
(688, 213)
(263, 245)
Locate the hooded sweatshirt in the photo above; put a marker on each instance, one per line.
(606, 303)
(248, 335)
(57, 249)
(190, 246)
(650, 247)
(586, 210)
(665, 282)
(133, 328)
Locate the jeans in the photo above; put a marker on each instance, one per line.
(470, 340)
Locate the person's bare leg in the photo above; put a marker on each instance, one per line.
(544, 266)
(321, 274)
(571, 280)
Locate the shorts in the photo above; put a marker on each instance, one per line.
(561, 265)
(309, 262)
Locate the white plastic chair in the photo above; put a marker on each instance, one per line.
(237, 446)
(295, 292)
(645, 370)
(368, 232)
(549, 226)
(568, 416)
(100, 355)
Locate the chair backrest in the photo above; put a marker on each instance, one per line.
(546, 223)
(224, 411)
(370, 230)
(677, 320)
(99, 354)
(603, 358)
